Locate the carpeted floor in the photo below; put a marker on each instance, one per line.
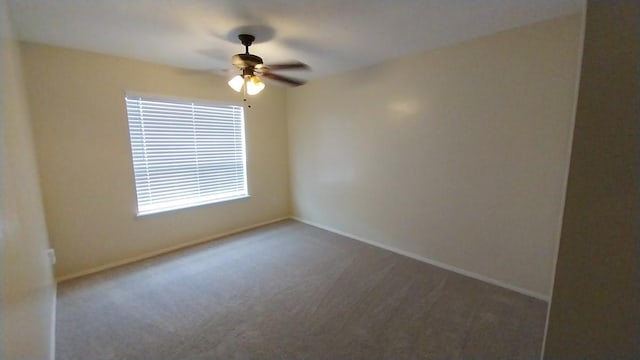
(291, 291)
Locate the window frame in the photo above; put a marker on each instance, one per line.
(199, 102)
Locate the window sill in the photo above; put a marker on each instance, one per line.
(190, 206)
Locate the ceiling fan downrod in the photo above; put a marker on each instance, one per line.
(246, 40)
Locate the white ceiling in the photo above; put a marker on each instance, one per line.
(330, 35)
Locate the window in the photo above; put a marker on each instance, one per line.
(185, 153)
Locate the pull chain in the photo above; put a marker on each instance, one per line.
(244, 88)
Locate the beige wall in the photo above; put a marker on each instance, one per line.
(82, 140)
(595, 309)
(27, 289)
(459, 155)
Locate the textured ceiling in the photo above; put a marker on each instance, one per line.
(331, 35)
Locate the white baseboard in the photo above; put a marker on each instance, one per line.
(52, 346)
(165, 250)
(439, 264)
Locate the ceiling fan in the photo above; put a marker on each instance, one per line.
(253, 69)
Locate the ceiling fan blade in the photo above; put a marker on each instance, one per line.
(287, 66)
(284, 79)
(220, 72)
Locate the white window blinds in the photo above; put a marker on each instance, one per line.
(185, 153)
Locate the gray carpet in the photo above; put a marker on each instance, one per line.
(291, 291)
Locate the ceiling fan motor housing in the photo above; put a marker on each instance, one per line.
(246, 60)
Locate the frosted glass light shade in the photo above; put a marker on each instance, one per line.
(254, 85)
(236, 83)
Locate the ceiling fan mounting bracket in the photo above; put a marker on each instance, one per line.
(246, 40)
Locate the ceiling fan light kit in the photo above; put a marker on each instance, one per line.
(253, 69)
(254, 85)
(251, 83)
(236, 83)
